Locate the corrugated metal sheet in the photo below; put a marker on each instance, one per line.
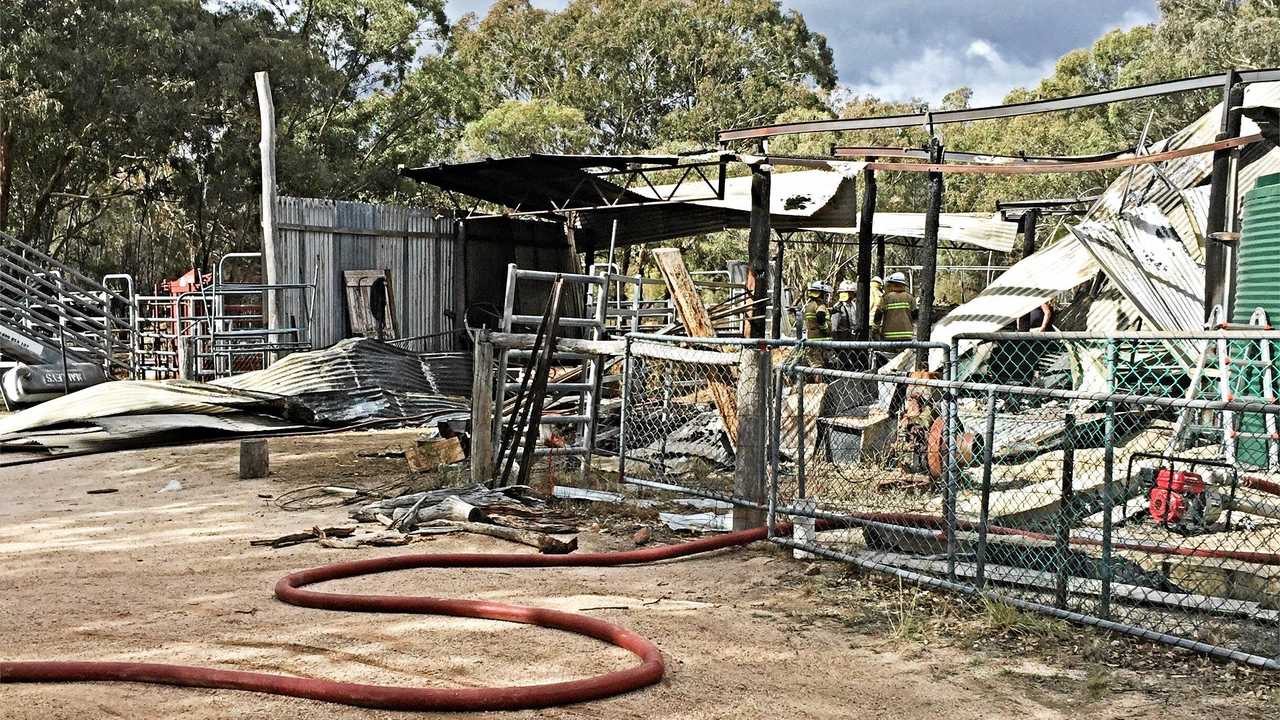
(322, 238)
(1144, 258)
(139, 397)
(357, 379)
(988, 231)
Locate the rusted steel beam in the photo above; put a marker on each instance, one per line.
(1071, 167)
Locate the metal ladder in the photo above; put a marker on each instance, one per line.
(1228, 386)
(586, 389)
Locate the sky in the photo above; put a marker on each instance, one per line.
(904, 49)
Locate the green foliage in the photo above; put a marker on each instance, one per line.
(130, 127)
(523, 126)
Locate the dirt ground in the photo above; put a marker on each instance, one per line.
(148, 574)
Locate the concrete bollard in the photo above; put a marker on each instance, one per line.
(803, 528)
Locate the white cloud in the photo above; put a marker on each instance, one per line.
(937, 71)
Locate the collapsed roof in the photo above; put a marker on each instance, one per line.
(652, 197)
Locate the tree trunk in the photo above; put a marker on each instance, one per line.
(6, 170)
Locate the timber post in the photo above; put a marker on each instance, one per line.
(758, 248)
(482, 411)
(1221, 199)
(865, 238)
(1029, 220)
(751, 456)
(929, 254)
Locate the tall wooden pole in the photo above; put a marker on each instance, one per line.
(1220, 204)
(267, 149)
(6, 169)
(758, 248)
(865, 238)
(929, 253)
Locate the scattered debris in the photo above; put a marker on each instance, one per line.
(430, 453)
(573, 493)
(101, 491)
(544, 542)
(698, 522)
(642, 536)
(172, 486)
(298, 538)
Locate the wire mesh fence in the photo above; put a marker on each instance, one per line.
(679, 418)
(1102, 507)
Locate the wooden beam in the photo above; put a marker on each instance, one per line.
(698, 324)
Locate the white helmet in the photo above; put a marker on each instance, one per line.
(819, 286)
(847, 286)
(877, 280)
(898, 278)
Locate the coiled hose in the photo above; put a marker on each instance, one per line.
(291, 589)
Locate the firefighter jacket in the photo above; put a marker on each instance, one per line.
(896, 316)
(816, 325)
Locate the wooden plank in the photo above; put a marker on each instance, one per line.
(359, 286)
(697, 323)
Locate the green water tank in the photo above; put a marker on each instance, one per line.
(1257, 286)
(1258, 265)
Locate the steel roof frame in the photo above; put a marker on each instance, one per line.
(1033, 107)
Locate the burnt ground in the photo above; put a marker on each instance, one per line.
(145, 575)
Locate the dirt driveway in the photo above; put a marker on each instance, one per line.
(149, 574)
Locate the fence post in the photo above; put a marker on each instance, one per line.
(775, 451)
(1062, 543)
(984, 516)
(622, 418)
(482, 411)
(1108, 476)
(749, 472)
(950, 474)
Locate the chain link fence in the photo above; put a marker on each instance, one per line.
(1093, 506)
(679, 416)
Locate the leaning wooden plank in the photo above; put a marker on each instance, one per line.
(698, 324)
(683, 293)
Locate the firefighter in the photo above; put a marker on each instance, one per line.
(817, 324)
(896, 315)
(844, 314)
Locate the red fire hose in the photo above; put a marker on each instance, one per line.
(290, 590)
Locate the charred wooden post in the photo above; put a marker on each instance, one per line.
(750, 448)
(880, 255)
(1029, 220)
(1221, 200)
(758, 248)
(929, 254)
(865, 238)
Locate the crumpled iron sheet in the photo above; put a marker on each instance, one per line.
(360, 378)
(353, 381)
